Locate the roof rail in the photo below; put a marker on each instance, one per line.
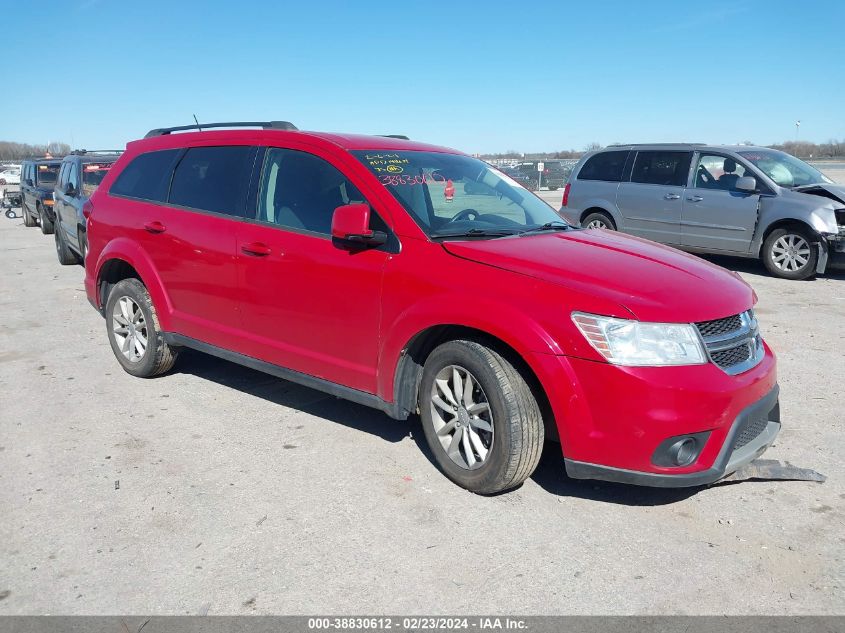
(83, 152)
(267, 125)
(401, 136)
(650, 144)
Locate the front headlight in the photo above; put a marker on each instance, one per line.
(625, 342)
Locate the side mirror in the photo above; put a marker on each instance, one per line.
(748, 184)
(351, 224)
(69, 190)
(28, 182)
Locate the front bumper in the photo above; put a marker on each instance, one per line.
(765, 413)
(836, 251)
(613, 421)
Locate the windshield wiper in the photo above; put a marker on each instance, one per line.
(474, 233)
(548, 226)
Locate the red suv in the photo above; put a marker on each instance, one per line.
(359, 266)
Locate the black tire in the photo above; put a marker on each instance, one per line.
(771, 251)
(158, 356)
(28, 220)
(83, 247)
(518, 433)
(599, 216)
(66, 256)
(46, 223)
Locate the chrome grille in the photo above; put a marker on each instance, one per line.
(732, 343)
(731, 357)
(719, 326)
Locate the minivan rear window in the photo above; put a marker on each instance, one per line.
(662, 168)
(604, 166)
(147, 177)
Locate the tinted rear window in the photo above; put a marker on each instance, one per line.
(147, 177)
(92, 176)
(662, 168)
(213, 178)
(604, 166)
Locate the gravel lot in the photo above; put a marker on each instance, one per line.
(240, 493)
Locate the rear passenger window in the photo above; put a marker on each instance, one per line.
(147, 177)
(662, 168)
(213, 178)
(604, 166)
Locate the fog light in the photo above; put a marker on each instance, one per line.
(680, 450)
(683, 452)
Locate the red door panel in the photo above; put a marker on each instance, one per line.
(310, 306)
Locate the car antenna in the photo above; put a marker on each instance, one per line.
(198, 123)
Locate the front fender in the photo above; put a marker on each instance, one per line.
(522, 333)
(128, 251)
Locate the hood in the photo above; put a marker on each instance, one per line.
(834, 192)
(652, 281)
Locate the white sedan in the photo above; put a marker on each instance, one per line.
(10, 177)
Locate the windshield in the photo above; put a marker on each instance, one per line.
(47, 175)
(784, 169)
(454, 195)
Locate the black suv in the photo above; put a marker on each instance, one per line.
(80, 174)
(38, 177)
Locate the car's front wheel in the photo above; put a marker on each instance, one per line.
(480, 417)
(65, 255)
(46, 223)
(133, 331)
(28, 220)
(789, 253)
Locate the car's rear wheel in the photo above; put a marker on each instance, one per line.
(598, 220)
(46, 223)
(133, 331)
(480, 417)
(65, 255)
(789, 253)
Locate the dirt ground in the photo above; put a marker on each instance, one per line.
(216, 489)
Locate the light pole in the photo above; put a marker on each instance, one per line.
(797, 125)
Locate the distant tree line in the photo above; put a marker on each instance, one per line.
(802, 149)
(20, 151)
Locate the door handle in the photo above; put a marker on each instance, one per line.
(155, 227)
(695, 198)
(671, 196)
(256, 249)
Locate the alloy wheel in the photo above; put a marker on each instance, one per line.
(463, 420)
(130, 329)
(597, 224)
(790, 253)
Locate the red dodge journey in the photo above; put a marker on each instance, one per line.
(418, 280)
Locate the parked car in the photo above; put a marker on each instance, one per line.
(80, 174)
(38, 177)
(732, 200)
(10, 177)
(344, 263)
(527, 175)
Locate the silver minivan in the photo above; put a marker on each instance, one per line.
(733, 200)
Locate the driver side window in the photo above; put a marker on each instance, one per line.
(718, 172)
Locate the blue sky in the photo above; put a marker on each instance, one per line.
(478, 76)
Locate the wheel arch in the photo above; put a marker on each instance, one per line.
(408, 371)
(597, 209)
(782, 224)
(123, 259)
